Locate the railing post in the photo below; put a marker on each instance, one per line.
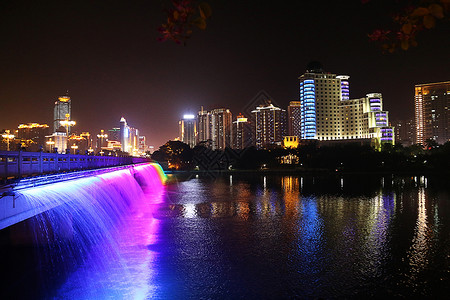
(56, 162)
(19, 164)
(41, 163)
(6, 167)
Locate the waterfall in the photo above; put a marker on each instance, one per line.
(82, 219)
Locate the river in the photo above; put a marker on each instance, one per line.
(256, 236)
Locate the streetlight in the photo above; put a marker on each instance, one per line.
(74, 147)
(102, 136)
(8, 136)
(50, 143)
(67, 124)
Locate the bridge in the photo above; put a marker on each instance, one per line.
(20, 170)
(20, 164)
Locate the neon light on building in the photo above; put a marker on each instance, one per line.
(308, 110)
(345, 87)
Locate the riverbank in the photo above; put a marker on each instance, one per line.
(305, 171)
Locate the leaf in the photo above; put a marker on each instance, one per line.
(200, 23)
(205, 10)
(175, 15)
(407, 28)
(420, 11)
(405, 45)
(429, 21)
(436, 10)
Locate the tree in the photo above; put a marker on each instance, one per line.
(176, 153)
(415, 17)
(182, 18)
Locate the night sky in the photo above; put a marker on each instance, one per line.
(106, 54)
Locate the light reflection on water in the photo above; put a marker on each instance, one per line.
(272, 237)
(292, 236)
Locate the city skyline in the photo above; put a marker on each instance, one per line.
(108, 58)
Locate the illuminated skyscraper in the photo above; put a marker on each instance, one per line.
(242, 134)
(204, 127)
(432, 112)
(328, 113)
(188, 130)
(221, 128)
(61, 112)
(294, 118)
(320, 96)
(124, 135)
(270, 125)
(133, 141)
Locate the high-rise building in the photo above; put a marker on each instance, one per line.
(294, 118)
(33, 134)
(114, 134)
(432, 112)
(320, 96)
(133, 141)
(143, 148)
(328, 113)
(221, 128)
(204, 127)
(61, 113)
(188, 130)
(404, 132)
(270, 125)
(124, 135)
(242, 134)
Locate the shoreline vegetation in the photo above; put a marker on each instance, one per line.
(177, 157)
(307, 172)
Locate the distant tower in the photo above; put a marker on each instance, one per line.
(294, 118)
(221, 128)
(241, 132)
(432, 112)
(188, 130)
(124, 134)
(61, 112)
(270, 125)
(203, 126)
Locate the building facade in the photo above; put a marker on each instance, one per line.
(33, 135)
(221, 128)
(57, 142)
(204, 127)
(270, 125)
(187, 130)
(404, 132)
(294, 118)
(124, 135)
(62, 112)
(328, 113)
(242, 135)
(432, 112)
